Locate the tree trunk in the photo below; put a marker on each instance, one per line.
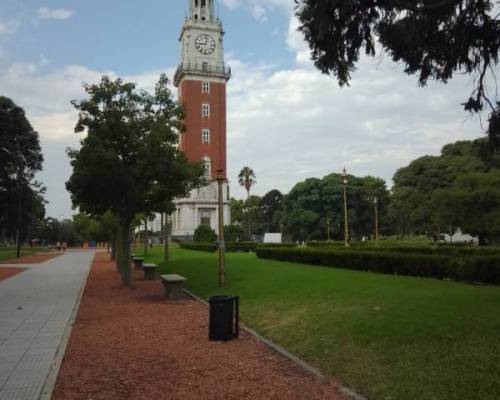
(113, 248)
(118, 251)
(167, 239)
(124, 251)
(145, 237)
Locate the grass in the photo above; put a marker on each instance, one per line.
(388, 337)
(10, 253)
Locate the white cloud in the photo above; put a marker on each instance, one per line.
(292, 124)
(58, 13)
(259, 8)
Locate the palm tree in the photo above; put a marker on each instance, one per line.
(247, 179)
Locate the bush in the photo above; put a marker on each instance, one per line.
(473, 268)
(234, 233)
(252, 246)
(204, 234)
(199, 246)
(246, 247)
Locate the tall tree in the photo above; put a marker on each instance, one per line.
(129, 158)
(472, 203)
(412, 204)
(271, 206)
(432, 39)
(247, 179)
(20, 159)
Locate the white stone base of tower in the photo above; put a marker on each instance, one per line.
(200, 208)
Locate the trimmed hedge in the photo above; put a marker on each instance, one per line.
(484, 269)
(246, 247)
(199, 246)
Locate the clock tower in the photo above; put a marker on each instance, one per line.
(201, 80)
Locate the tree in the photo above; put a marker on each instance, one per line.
(21, 198)
(129, 159)
(316, 204)
(432, 39)
(412, 204)
(271, 205)
(473, 201)
(247, 179)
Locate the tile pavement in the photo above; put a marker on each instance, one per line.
(35, 309)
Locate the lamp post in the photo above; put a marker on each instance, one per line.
(222, 246)
(375, 206)
(328, 228)
(345, 181)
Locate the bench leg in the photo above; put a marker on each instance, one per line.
(149, 275)
(173, 291)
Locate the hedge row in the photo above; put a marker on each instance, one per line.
(447, 250)
(199, 246)
(233, 246)
(484, 269)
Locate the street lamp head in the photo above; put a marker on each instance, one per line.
(344, 176)
(220, 175)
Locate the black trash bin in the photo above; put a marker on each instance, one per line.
(224, 318)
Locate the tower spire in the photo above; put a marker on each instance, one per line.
(202, 10)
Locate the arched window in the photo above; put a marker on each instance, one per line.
(207, 164)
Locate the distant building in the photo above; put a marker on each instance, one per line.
(201, 80)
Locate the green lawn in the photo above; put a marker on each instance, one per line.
(9, 253)
(387, 337)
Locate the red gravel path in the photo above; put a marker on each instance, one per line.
(33, 259)
(6, 273)
(133, 344)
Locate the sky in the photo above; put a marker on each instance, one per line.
(286, 120)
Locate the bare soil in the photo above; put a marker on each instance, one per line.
(38, 258)
(6, 273)
(134, 344)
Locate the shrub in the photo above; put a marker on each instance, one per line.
(199, 246)
(246, 247)
(204, 234)
(473, 268)
(234, 233)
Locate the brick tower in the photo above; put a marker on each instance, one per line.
(201, 80)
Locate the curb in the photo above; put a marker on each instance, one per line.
(301, 363)
(50, 381)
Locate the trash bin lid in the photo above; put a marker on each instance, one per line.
(220, 299)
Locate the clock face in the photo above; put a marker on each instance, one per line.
(205, 44)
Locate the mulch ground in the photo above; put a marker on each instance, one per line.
(134, 344)
(33, 259)
(6, 273)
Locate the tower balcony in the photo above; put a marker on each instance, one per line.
(203, 70)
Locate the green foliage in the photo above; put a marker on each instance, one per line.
(422, 36)
(248, 247)
(474, 202)
(234, 233)
(199, 246)
(311, 203)
(414, 206)
(205, 234)
(485, 269)
(129, 162)
(248, 214)
(20, 159)
(247, 179)
(271, 208)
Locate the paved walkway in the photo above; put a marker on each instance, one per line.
(35, 309)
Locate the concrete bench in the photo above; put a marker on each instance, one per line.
(138, 261)
(173, 286)
(149, 271)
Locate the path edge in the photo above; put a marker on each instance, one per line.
(50, 381)
(301, 363)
